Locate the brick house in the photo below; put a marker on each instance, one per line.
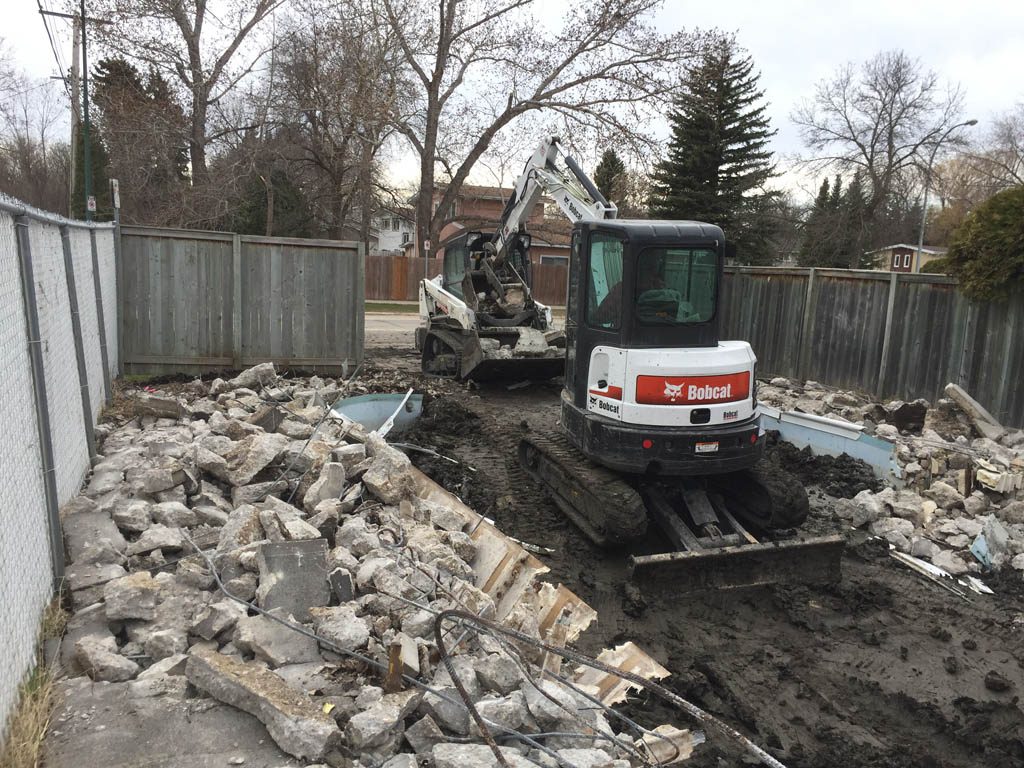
(480, 208)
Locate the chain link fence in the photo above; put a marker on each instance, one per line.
(58, 310)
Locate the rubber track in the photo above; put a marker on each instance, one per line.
(607, 509)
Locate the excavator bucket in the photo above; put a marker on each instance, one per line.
(800, 561)
(515, 369)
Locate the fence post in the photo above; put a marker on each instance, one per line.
(359, 338)
(807, 327)
(35, 353)
(101, 322)
(76, 332)
(115, 195)
(890, 307)
(236, 301)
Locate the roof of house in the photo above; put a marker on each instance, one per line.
(935, 250)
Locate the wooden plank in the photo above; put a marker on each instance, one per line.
(236, 299)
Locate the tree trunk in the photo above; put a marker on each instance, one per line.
(197, 141)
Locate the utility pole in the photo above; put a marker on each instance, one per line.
(79, 27)
(76, 114)
(90, 200)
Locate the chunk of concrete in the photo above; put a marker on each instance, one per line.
(499, 673)
(157, 537)
(329, 485)
(242, 527)
(83, 523)
(294, 721)
(132, 597)
(272, 642)
(389, 477)
(423, 735)
(293, 576)
(382, 722)
(97, 656)
(132, 517)
(253, 454)
(945, 495)
(255, 378)
(341, 627)
(342, 585)
(217, 618)
(476, 755)
(173, 514)
(86, 575)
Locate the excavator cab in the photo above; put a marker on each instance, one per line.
(660, 417)
(649, 386)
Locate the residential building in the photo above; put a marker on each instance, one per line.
(396, 229)
(481, 208)
(905, 258)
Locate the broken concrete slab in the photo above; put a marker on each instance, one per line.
(92, 575)
(83, 524)
(132, 517)
(389, 476)
(423, 735)
(476, 755)
(98, 657)
(272, 642)
(293, 576)
(173, 514)
(293, 720)
(983, 421)
(98, 725)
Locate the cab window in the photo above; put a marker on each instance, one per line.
(604, 278)
(455, 256)
(676, 286)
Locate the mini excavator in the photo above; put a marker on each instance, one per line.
(659, 416)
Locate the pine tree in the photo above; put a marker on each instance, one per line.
(718, 157)
(609, 176)
(814, 228)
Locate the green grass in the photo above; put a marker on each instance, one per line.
(390, 306)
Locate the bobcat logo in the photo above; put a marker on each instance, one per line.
(673, 391)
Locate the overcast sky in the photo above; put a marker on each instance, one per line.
(795, 43)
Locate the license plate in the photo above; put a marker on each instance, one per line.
(707, 447)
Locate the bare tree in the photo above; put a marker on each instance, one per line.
(198, 46)
(479, 65)
(882, 119)
(34, 163)
(1000, 157)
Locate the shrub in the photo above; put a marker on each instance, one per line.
(987, 253)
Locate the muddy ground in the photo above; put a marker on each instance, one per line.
(882, 669)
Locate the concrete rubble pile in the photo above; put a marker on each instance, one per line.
(320, 525)
(960, 504)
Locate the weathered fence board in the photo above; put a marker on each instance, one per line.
(195, 301)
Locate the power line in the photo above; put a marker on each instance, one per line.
(53, 47)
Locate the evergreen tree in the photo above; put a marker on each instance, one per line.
(814, 228)
(100, 163)
(718, 157)
(610, 176)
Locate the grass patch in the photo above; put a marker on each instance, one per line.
(26, 730)
(388, 306)
(27, 726)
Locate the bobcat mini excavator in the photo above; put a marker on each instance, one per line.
(659, 416)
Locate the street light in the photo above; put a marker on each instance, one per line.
(927, 182)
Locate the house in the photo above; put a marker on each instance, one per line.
(905, 258)
(481, 208)
(396, 229)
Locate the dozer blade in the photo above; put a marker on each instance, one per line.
(515, 369)
(806, 561)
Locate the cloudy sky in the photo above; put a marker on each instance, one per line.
(795, 43)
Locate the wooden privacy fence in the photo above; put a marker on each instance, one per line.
(196, 301)
(889, 334)
(397, 278)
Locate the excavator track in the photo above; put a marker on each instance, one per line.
(605, 507)
(707, 555)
